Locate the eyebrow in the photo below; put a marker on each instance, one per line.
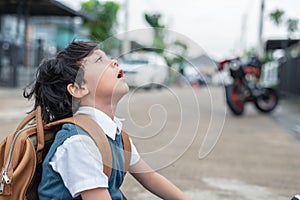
(96, 54)
(99, 53)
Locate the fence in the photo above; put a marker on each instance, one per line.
(16, 67)
(289, 77)
(9, 60)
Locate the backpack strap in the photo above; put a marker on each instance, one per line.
(127, 150)
(37, 115)
(93, 129)
(28, 118)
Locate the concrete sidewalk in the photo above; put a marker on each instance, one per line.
(288, 114)
(14, 106)
(256, 156)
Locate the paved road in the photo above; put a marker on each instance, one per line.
(254, 157)
(189, 137)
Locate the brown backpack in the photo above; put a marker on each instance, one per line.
(22, 153)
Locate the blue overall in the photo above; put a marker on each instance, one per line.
(52, 186)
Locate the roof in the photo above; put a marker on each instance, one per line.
(38, 8)
(280, 44)
(202, 60)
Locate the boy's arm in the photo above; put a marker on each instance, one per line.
(154, 182)
(96, 194)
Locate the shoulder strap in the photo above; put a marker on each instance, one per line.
(37, 115)
(127, 150)
(92, 128)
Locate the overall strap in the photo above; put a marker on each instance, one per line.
(99, 137)
(127, 150)
(97, 134)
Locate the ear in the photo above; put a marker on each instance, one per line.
(77, 91)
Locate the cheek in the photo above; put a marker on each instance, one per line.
(93, 80)
(94, 76)
(105, 84)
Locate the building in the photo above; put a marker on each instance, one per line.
(30, 31)
(289, 65)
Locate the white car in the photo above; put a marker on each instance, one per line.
(144, 69)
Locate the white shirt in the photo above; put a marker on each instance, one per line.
(88, 173)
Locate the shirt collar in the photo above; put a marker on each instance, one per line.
(108, 125)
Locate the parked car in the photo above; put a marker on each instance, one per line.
(195, 76)
(144, 69)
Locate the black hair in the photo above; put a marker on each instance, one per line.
(52, 77)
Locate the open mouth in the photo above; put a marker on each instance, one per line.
(120, 74)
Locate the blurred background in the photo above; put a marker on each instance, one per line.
(198, 34)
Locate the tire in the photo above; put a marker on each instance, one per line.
(147, 87)
(268, 101)
(233, 101)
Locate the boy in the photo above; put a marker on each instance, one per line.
(82, 79)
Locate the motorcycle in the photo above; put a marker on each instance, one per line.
(245, 87)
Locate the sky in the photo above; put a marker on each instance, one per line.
(220, 29)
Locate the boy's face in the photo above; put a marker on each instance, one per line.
(103, 78)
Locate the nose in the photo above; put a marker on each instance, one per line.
(115, 63)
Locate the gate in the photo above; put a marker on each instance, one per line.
(289, 76)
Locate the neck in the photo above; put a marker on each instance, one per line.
(106, 105)
(108, 109)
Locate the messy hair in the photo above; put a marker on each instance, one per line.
(52, 77)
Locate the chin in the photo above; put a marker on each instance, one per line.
(120, 91)
(125, 90)
(125, 86)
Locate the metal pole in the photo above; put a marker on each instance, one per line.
(243, 33)
(260, 30)
(126, 43)
(27, 35)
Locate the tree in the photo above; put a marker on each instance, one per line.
(181, 50)
(159, 43)
(158, 39)
(278, 18)
(292, 26)
(104, 21)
